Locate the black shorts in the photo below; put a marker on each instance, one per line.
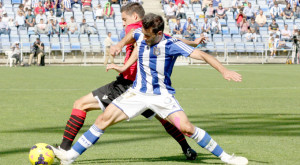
(107, 93)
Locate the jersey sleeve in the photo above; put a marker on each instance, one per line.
(179, 48)
(137, 33)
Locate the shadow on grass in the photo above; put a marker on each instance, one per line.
(215, 124)
(178, 158)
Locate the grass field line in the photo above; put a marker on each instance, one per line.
(219, 88)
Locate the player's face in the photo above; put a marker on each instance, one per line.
(151, 38)
(128, 19)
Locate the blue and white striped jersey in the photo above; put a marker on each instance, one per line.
(155, 63)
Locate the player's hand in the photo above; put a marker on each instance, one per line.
(200, 40)
(115, 67)
(232, 75)
(116, 49)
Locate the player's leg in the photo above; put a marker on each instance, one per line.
(111, 115)
(202, 138)
(179, 137)
(77, 118)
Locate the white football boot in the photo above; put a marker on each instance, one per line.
(236, 160)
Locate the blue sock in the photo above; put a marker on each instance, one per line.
(205, 141)
(89, 138)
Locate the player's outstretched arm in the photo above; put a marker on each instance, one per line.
(128, 39)
(194, 43)
(227, 74)
(131, 60)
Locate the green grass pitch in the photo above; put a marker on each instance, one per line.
(258, 118)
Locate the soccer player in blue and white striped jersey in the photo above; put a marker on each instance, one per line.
(156, 55)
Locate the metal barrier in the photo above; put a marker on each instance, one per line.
(226, 54)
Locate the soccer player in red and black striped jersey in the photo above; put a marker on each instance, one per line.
(100, 98)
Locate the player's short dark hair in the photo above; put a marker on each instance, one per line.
(153, 21)
(108, 33)
(133, 7)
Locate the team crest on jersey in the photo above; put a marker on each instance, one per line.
(156, 51)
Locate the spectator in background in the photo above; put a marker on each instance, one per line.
(250, 36)
(272, 3)
(237, 5)
(5, 17)
(20, 21)
(114, 2)
(108, 43)
(3, 27)
(292, 2)
(40, 16)
(41, 28)
(189, 34)
(49, 6)
(253, 25)
(180, 13)
(195, 2)
(67, 7)
(205, 26)
(52, 27)
(178, 28)
(52, 16)
(177, 2)
(205, 4)
(124, 2)
(108, 11)
(76, 4)
(216, 26)
(21, 10)
(276, 11)
(27, 5)
(87, 5)
(2, 9)
(37, 50)
(73, 29)
(170, 11)
(187, 23)
(39, 8)
(63, 27)
(274, 28)
(296, 11)
(58, 8)
(30, 19)
(239, 18)
(16, 53)
(288, 12)
(221, 12)
(85, 28)
(98, 11)
(35, 3)
(261, 19)
(249, 11)
(209, 11)
(286, 34)
(272, 47)
(244, 25)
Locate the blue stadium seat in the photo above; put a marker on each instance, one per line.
(220, 47)
(234, 30)
(236, 38)
(210, 47)
(227, 38)
(16, 1)
(249, 47)
(259, 47)
(230, 47)
(14, 38)
(223, 22)
(66, 47)
(240, 47)
(225, 30)
(75, 44)
(64, 38)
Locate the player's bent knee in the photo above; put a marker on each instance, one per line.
(78, 104)
(188, 129)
